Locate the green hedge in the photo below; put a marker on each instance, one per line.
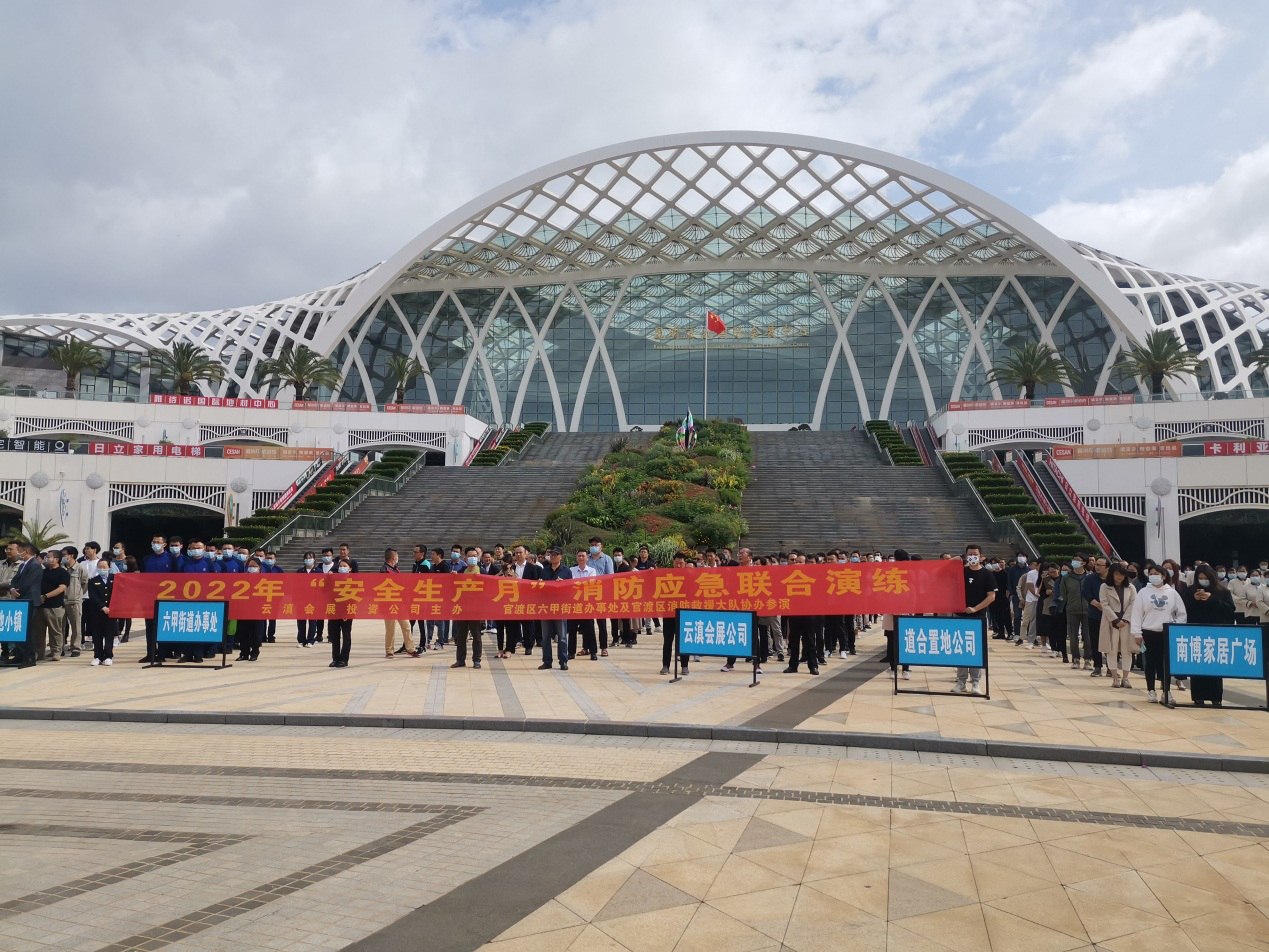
(536, 428)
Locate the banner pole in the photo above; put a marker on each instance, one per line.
(705, 414)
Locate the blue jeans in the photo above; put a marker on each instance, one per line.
(554, 630)
(438, 628)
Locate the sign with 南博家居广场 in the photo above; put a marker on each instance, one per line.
(1216, 651)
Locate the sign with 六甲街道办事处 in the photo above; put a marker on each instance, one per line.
(191, 622)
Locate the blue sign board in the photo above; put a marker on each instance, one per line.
(727, 634)
(941, 642)
(202, 622)
(14, 617)
(1218, 651)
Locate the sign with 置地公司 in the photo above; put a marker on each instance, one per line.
(864, 588)
(193, 621)
(941, 642)
(726, 634)
(1216, 651)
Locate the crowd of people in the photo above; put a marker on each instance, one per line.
(1089, 613)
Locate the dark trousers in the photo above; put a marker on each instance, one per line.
(1053, 627)
(1017, 615)
(250, 636)
(669, 636)
(802, 638)
(101, 629)
(152, 639)
(892, 651)
(271, 630)
(462, 629)
(586, 627)
(309, 631)
(601, 628)
(340, 639)
(1154, 659)
(1000, 620)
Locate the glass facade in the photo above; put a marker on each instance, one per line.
(801, 346)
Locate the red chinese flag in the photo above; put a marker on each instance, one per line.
(714, 322)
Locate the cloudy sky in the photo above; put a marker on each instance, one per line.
(167, 155)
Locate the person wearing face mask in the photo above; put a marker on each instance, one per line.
(438, 629)
(195, 562)
(980, 592)
(250, 630)
(1116, 640)
(76, 591)
(160, 560)
(1258, 598)
(1001, 623)
(50, 620)
(1156, 605)
(227, 564)
(98, 624)
(1078, 637)
(1208, 602)
(1051, 619)
(1015, 572)
(465, 628)
(1238, 587)
(340, 629)
(308, 631)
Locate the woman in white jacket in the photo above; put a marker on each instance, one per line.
(1115, 639)
(1257, 598)
(1156, 605)
(1238, 588)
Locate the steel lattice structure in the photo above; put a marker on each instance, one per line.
(855, 284)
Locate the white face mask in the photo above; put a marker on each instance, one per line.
(1156, 580)
(344, 569)
(1022, 560)
(253, 569)
(1205, 583)
(1255, 580)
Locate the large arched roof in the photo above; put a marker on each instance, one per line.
(725, 199)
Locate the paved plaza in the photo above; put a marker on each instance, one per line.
(133, 834)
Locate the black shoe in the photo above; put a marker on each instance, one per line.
(333, 664)
(459, 664)
(852, 651)
(241, 657)
(791, 669)
(145, 660)
(400, 650)
(779, 656)
(74, 653)
(594, 657)
(814, 670)
(255, 656)
(563, 666)
(123, 640)
(545, 665)
(184, 659)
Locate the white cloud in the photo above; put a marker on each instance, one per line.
(1095, 103)
(1214, 230)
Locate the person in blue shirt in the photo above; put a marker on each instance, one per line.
(194, 562)
(269, 566)
(159, 560)
(228, 562)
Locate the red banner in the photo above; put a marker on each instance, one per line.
(1106, 400)
(422, 408)
(309, 453)
(1118, 451)
(957, 405)
(1239, 448)
(934, 587)
(245, 403)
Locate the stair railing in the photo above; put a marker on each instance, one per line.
(1023, 469)
(919, 443)
(882, 452)
(319, 524)
(1085, 517)
(1002, 530)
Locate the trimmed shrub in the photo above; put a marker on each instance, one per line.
(717, 529)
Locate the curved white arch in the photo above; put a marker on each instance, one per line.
(381, 279)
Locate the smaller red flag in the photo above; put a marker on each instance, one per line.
(714, 322)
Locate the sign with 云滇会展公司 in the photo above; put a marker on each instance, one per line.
(941, 642)
(723, 634)
(879, 587)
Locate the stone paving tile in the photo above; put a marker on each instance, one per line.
(1033, 698)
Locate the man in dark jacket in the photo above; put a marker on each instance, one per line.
(555, 630)
(27, 586)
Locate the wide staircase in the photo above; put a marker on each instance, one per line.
(470, 505)
(818, 490)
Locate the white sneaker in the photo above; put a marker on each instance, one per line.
(116, 642)
(1029, 646)
(726, 667)
(906, 675)
(757, 670)
(108, 661)
(96, 661)
(1152, 698)
(976, 689)
(842, 655)
(959, 688)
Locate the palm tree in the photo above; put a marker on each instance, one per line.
(402, 369)
(43, 537)
(1029, 366)
(301, 368)
(1260, 358)
(1162, 355)
(185, 365)
(73, 357)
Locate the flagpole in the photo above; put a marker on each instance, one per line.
(705, 414)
